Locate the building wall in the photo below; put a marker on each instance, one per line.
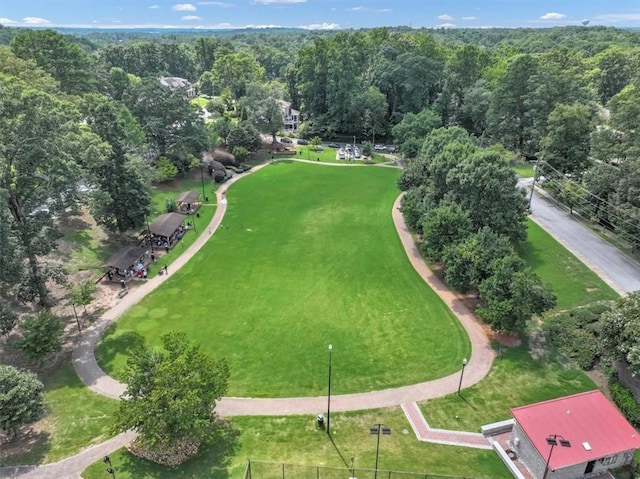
(535, 464)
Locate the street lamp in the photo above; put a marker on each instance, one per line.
(149, 238)
(464, 363)
(329, 395)
(376, 430)
(110, 470)
(75, 313)
(204, 198)
(553, 441)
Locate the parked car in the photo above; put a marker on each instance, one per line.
(286, 140)
(341, 154)
(333, 145)
(356, 152)
(302, 141)
(380, 147)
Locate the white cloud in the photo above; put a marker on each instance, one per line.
(321, 26)
(7, 21)
(553, 16)
(469, 18)
(273, 2)
(445, 16)
(35, 21)
(367, 9)
(446, 25)
(191, 17)
(216, 4)
(154, 6)
(618, 17)
(184, 7)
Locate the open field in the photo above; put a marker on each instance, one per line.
(270, 295)
(296, 440)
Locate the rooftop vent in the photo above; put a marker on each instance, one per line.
(586, 446)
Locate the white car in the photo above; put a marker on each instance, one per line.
(357, 153)
(380, 147)
(341, 154)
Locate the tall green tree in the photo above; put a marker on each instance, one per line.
(566, 145)
(171, 394)
(512, 294)
(621, 331)
(235, 71)
(122, 199)
(41, 146)
(64, 60)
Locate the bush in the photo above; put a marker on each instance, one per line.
(166, 169)
(627, 403)
(170, 205)
(21, 399)
(42, 336)
(8, 320)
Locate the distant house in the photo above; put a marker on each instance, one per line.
(572, 437)
(177, 82)
(290, 117)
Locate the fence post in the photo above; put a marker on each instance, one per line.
(283, 470)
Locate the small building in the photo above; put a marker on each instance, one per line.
(290, 117)
(187, 202)
(167, 229)
(177, 82)
(128, 258)
(578, 436)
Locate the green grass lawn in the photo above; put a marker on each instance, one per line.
(515, 380)
(524, 169)
(296, 440)
(328, 155)
(307, 256)
(572, 281)
(88, 248)
(75, 418)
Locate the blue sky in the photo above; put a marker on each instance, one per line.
(316, 14)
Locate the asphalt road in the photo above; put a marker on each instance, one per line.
(618, 269)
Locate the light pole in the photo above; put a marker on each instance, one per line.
(535, 177)
(376, 430)
(146, 218)
(110, 470)
(204, 198)
(329, 395)
(464, 363)
(553, 441)
(75, 313)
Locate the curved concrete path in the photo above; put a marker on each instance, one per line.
(482, 355)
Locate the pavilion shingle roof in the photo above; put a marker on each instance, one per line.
(165, 225)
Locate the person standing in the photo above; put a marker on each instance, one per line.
(166, 270)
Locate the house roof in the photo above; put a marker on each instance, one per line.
(592, 424)
(125, 257)
(175, 82)
(166, 224)
(188, 197)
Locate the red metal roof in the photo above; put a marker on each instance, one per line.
(582, 418)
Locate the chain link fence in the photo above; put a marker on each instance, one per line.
(276, 470)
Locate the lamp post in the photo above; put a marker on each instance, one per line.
(535, 178)
(464, 363)
(75, 313)
(146, 218)
(376, 430)
(553, 441)
(204, 198)
(329, 395)
(110, 470)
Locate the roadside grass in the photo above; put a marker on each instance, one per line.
(572, 281)
(515, 379)
(307, 255)
(524, 169)
(75, 418)
(297, 440)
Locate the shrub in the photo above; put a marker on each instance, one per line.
(170, 205)
(42, 336)
(627, 403)
(166, 169)
(8, 320)
(21, 399)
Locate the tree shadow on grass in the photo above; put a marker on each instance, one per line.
(110, 346)
(212, 461)
(30, 447)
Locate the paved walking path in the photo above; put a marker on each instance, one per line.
(93, 376)
(452, 438)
